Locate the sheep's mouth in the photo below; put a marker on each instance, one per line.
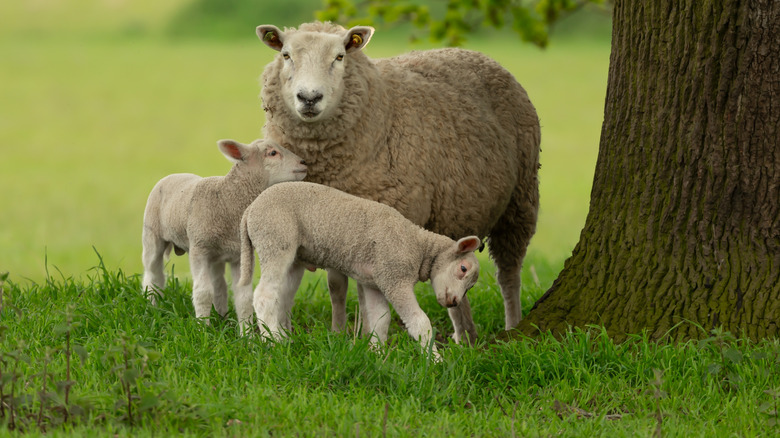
(309, 113)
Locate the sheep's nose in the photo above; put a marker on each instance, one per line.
(452, 302)
(309, 99)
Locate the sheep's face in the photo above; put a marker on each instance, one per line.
(265, 159)
(313, 67)
(455, 271)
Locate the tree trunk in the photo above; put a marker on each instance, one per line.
(683, 231)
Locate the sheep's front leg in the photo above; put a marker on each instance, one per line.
(202, 295)
(242, 298)
(337, 286)
(274, 297)
(376, 313)
(417, 323)
(462, 322)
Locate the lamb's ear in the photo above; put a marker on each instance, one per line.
(468, 244)
(234, 151)
(357, 38)
(271, 36)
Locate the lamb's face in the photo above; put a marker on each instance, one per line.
(278, 163)
(264, 160)
(313, 67)
(455, 272)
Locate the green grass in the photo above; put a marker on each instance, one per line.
(188, 378)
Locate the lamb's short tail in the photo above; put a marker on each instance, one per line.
(247, 254)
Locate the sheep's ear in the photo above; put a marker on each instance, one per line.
(271, 36)
(234, 151)
(357, 38)
(468, 244)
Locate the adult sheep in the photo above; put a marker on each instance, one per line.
(448, 137)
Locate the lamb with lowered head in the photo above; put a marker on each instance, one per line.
(294, 226)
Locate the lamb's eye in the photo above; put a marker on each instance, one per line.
(463, 268)
(340, 57)
(273, 153)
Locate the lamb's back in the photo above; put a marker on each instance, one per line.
(332, 229)
(168, 207)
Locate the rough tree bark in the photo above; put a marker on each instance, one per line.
(684, 221)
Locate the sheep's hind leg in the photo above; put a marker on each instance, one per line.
(242, 298)
(507, 242)
(153, 258)
(201, 285)
(274, 297)
(219, 288)
(365, 327)
(337, 286)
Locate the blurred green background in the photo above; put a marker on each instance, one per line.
(100, 99)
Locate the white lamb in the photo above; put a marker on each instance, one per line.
(294, 226)
(447, 137)
(201, 216)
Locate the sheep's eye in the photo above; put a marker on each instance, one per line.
(463, 268)
(272, 153)
(286, 55)
(340, 57)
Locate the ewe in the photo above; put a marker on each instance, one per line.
(201, 216)
(447, 137)
(293, 226)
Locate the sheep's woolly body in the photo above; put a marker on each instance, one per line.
(202, 215)
(292, 225)
(448, 137)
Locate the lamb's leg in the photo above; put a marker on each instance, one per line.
(365, 328)
(242, 298)
(201, 284)
(462, 322)
(416, 321)
(219, 288)
(337, 286)
(274, 296)
(507, 243)
(153, 256)
(376, 313)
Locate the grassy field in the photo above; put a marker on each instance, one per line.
(90, 123)
(139, 370)
(97, 106)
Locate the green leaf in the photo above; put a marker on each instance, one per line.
(714, 368)
(81, 352)
(62, 385)
(153, 355)
(130, 376)
(60, 329)
(732, 354)
(148, 401)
